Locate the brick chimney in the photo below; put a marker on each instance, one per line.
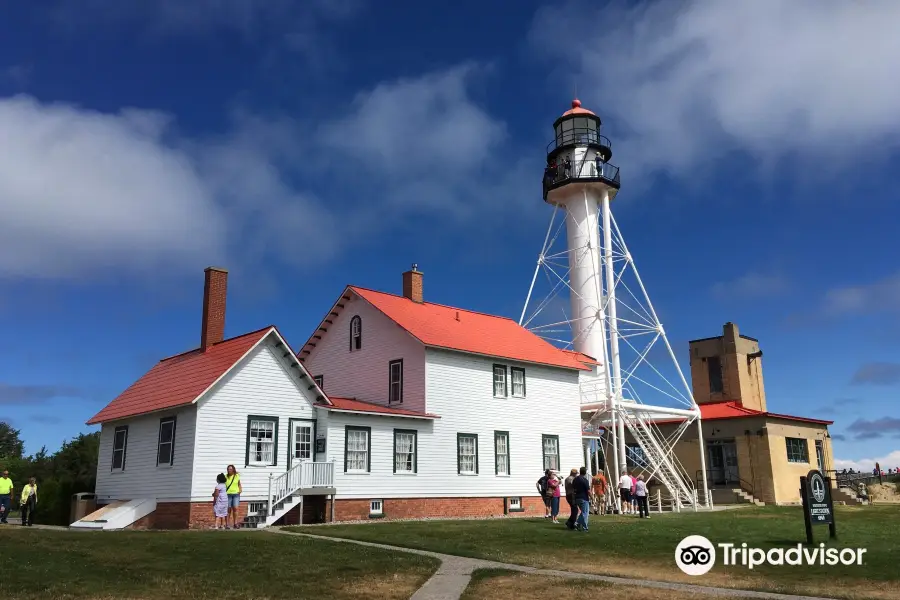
(214, 292)
(412, 284)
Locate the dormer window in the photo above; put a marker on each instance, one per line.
(355, 333)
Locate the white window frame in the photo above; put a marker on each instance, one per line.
(513, 371)
(544, 439)
(124, 449)
(366, 453)
(408, 457)
(500, 383)
(515, 504)
(459, 453)
(253, 443)
(501, 435)
(355, 333)
(376, 508)
(320, 381)
(171, 443)
(395, 381)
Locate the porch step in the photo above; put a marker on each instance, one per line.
(848, 496)
(723, 496)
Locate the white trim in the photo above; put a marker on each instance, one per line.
(376, 414)
(509, 358)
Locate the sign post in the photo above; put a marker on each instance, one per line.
(818, 507)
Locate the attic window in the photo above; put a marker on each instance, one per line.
(355, 333)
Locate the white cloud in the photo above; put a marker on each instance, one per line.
(686, 82)
(881, 296)
(752, 285)
(77, 186)
(888, 461)
(83, 191)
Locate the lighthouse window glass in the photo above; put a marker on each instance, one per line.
(797, 451)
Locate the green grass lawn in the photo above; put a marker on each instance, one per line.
(220, 565)
(630, 547)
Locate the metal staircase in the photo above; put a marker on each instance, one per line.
(662, 467)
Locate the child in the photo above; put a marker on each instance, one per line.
(220, 501)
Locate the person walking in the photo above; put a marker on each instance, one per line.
(640, 493)
(543, 486)
(233, 489)
(625, 492)
(220, 502)
(554, 484)
(583, 499)
(598, 493)
(570, 498)
(28, 502)
(6, 491)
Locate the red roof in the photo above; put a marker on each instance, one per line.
(581, 356)
(179, 380)
(577, 110)
(354, 405)
(442, 326)
(733, 410)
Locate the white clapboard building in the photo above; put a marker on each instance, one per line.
(394, 408)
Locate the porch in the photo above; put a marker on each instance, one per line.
(289, 490)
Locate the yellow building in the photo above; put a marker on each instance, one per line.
(751, 453)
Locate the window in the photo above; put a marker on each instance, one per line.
(262, 441)
(395, 381)
(820, 454)
(376, 508)
(501, 452)
(165, 446)
(357, 449)
(405, 450)
(518, 381)
(256, 507)
(635, 458)
(714, 365)
(320, 381)
(797, 451)
(120, 440)
(515, 505)
(551, 452)
(500, 381)
(467, 453)
(355, 333)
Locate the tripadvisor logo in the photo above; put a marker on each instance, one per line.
(696, 555)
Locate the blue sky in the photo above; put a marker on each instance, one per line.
(310, 145)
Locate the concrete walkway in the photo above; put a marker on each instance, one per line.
(451, 579)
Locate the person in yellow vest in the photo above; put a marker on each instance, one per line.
(6, 491)
(28, 502)
(233, 488)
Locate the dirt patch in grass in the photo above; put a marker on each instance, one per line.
(508, 585)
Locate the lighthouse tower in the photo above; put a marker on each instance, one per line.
(608, 311)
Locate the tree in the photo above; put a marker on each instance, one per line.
(11, 445)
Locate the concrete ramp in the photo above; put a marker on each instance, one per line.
(117, 515)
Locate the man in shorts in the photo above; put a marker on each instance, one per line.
(625, 484)
(598, 493)
(543, 486)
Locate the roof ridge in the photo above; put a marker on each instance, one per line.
(467, 310)
(231, 339)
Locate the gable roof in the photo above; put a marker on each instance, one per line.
(730, 409)
(446, 327)
(358, 406)
(182, 379)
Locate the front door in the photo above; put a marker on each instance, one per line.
(723, 463)
(301, 442)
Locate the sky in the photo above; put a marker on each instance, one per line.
(310, 145)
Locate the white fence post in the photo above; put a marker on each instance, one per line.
(658, 500)
(270, 508)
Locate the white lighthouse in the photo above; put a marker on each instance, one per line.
(599, 273)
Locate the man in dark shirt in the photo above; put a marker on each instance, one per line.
(570, 498)
(583, 499)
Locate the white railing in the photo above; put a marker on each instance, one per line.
(301, 475)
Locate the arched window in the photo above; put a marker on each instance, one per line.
(355, 333)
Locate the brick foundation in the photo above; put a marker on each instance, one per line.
(418, 508)
(317, 509)
(182, 515)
